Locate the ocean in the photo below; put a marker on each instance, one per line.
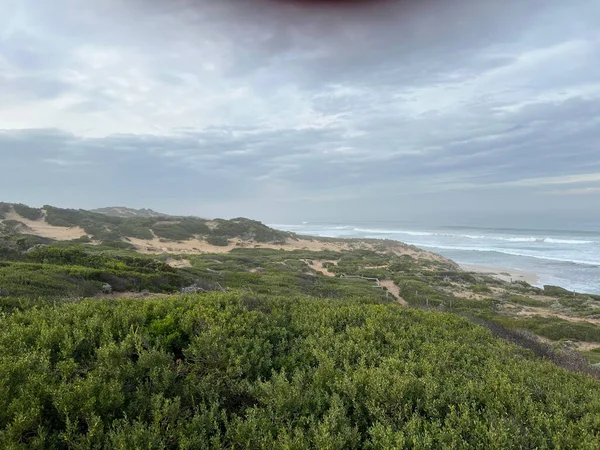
(566, 258)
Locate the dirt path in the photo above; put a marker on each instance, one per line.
(391, 287)
(394, 290)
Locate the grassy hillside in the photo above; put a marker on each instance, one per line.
(243, 371)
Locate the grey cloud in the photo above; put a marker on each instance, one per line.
(237, 104)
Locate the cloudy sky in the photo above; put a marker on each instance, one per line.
(285, 111)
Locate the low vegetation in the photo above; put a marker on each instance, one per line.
(242, 371)
(264, 348)
(107, 227)
(52, 273)
(555, 328)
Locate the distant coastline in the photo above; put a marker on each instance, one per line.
(558, 257)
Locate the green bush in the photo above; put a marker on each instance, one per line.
(4, 209)
(576, 303)
(556, 291)
(171, 231)
(13, 226)
(60, 272)
(195, 226)
(593, 356)
(226, 371)
(221, 241)
(418, 293)
(554, 328)
(28, 212)
(96, 225)
(481, 289)
(136, 228)
(247, 229)
(527, 301)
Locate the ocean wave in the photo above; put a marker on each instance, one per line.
(567, 241)
(541, 239)
(509, 252)
(547, 240)
(335, 230)
(378, 231)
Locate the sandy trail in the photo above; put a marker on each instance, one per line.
(394, 290)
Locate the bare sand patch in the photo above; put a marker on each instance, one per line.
(179, 263)
(42, 228)
(199, 246)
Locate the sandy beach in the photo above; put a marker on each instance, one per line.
(504, 274)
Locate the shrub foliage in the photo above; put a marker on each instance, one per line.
(231, 371)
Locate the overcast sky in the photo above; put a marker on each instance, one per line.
(284, 112)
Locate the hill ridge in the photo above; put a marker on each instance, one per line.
(126, 212)
(180, 234)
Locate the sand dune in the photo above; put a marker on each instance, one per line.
(42, 228)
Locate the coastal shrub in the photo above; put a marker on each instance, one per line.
(481, 289)
(247, 229)
(524, 288)
(28, 241)
(575, 303)
(563, 357)
(527, 301)
(4, 209)
(9, 251)
(556, 291)
(171, 231)
(480, 307)
(13, 226)
(93, 223)
(28, 212)
(59, 272)
(222, 371)
(136, 228)
(117, 244)
(221, 241)
(593, 356)
(195, 226)
(63, 217)
(421, 294)
(554, 328)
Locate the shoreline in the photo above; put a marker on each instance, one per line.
(503, 273)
